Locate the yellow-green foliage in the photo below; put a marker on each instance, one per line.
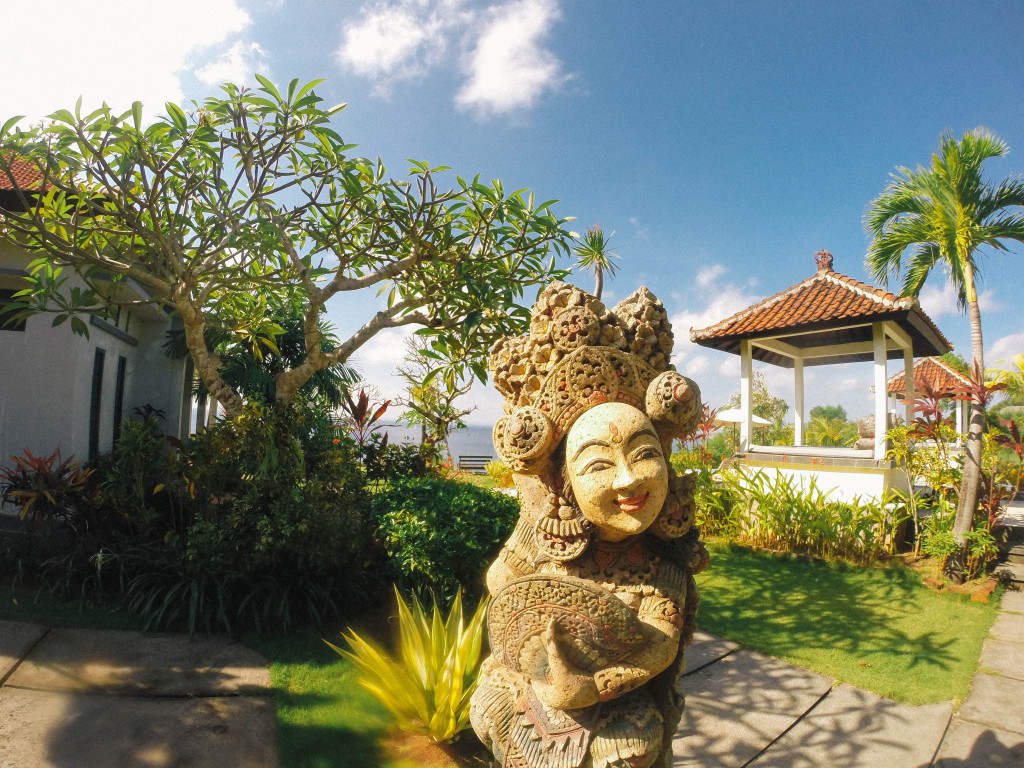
(501, 474)
(428, 687)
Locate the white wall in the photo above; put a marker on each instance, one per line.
(46, 378)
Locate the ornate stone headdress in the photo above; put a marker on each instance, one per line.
(577, 355)
(580, 354)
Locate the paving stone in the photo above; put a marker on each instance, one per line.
(16, 637)
(739, 705)
(852, 728)
(113, 661)
(1008, 626)
(47, 729)
(972, 745)
(1002, 657)
(1010, 572)
(1012, 600)
(705, 649)
(995, 701)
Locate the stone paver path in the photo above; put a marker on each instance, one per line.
(988, 730)
(747, 709)
(77, 698)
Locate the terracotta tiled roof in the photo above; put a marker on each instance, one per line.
(931, 371)
(828, 300)
(26, 175)
(827, 296)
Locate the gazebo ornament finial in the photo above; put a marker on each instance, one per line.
(824, 261)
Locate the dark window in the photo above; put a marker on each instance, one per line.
(6, 298)
(122, 370)
(94, 407)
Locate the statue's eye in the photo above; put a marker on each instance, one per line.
(594, 465)
(645, 452)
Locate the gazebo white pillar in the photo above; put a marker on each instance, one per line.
(746, 404)
(798, 404)
(881, 388)
(908, 379)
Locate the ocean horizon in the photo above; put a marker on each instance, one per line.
(474, 440)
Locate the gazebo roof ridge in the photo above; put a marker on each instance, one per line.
(819, 307)
(942, 381)
(826, 274)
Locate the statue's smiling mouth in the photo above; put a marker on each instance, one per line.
(632, 504)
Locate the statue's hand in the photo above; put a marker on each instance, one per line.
(565, 686)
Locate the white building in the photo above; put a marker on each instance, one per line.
(59, 389)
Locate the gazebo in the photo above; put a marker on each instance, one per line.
(827, 319)
(938, 376)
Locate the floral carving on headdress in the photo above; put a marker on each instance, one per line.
(579, 354)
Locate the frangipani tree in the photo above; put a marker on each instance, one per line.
(946, 215)
(253, 194)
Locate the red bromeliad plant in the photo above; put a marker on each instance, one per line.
(44, 487)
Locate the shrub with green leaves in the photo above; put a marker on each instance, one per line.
(442, 534)
(778, 512)
(276, 532)
(428, 687)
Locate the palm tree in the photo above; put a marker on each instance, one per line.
(825, 430)
(1013, 379)
(592, 253)
(943, 215)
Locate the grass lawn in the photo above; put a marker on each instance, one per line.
(880, 629)
(324, 718)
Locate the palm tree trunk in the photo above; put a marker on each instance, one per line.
(598, 281)
(967, 504)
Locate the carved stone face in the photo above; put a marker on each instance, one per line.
(617, 469)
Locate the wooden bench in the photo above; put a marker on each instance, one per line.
(475, 464)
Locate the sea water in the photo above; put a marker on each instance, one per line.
(474, 440)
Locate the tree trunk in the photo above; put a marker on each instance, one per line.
(287, 383)
(205, 364)
(967, 504)
(598, 281)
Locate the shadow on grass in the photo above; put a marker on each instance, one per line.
(325, 719)
(784, 605)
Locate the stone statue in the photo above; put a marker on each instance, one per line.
(593, 597)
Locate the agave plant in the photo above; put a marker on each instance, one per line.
(428, 687)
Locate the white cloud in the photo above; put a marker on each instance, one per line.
(706, 276)
(1005, 349)
(697, 365)
(640, 230)
(729, 370)
(725, 302)
(716, 373)
(400, 40)
(116, 51)
(237, 64)
(509, 69)
(939, 299)
(504, 61)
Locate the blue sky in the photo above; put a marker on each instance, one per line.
(723, 143)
